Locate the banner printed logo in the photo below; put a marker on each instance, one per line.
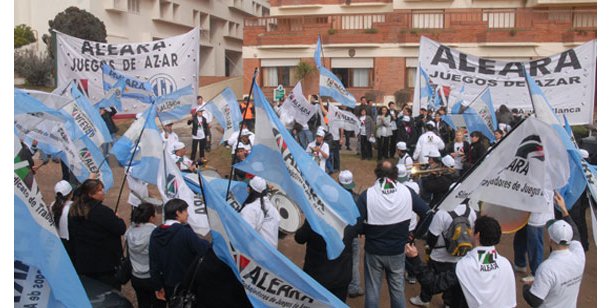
(163, 84)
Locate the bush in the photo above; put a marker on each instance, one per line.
(331, 31)
(36, 69)
(374, 95)
(371, 31)
(402, 97)
(303, 69)
(78, 23)
(23, 36)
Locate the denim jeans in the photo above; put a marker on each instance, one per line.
(355, 283)
(375, 267)
(528, 240)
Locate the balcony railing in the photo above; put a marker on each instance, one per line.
(521, 23)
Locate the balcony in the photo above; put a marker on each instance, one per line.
(450, 25)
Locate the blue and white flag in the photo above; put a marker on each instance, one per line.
(331, 86)
(270, 279)
(58, 134)
(40, 256)
(589, 171)
(174, 106)
(237, 193)
(226, 110)
(171, 185)
(148, 155)
(279, 159)
(482, 105)
(476, 120)
(112, 96)
(133, 88)
(317, 53)
(425, 89)
(543, 111)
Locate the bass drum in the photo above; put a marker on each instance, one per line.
(290, 215)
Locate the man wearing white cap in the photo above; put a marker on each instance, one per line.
(404, 158)
(427, 142)
(168, 136)
(247, 139)
(179, 154)
(259, 212)
(319, 149)
(558, 278)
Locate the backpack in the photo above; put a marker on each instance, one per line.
(458, 235)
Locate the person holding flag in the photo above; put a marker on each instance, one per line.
(200, 133)
(319, 149)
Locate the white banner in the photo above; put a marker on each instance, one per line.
(168, 64)
(567, 79)
(517, 172)
(343, 119)
(298, 106)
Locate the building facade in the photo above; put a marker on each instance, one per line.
(220, 23)
(372, 46)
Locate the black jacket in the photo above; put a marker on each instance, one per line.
(406, 132)
(329, 273)
(196, 126)
(437, 185)
(450, 148)
(96, 240)
(476, 151)
(434, 283)
(107, 117)
(171, 250)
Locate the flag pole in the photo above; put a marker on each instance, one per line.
(201, 189)
(231, 173)
(131, 159)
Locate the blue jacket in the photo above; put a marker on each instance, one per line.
(171, 250)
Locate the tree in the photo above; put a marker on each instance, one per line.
(78, 23)
(36, 69)
(23, 35)
(303, 69)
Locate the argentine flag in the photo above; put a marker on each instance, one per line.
(174, 106)
(329, 84)
(279, 159)
(226, 110)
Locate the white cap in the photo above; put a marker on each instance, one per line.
(430, 123)
(345, 178)
(448, 161)
(257, 184)
(178, 146)
(584, 154)
(502, 126)
(63, 187)
(401, 146)
(434, 153)
(320, 132)
(560, 231)
(246, 132)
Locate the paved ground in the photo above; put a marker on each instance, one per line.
(363, 174)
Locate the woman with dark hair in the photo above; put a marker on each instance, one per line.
(503, 115)
(95, 234)
(498, 135)
(60, 208)
(138, 237)
(173, 247)
(383, 133)
(366, 134)
(477, 150)
(259, 212)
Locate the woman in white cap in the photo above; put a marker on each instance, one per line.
(259, 212)
(60, 208)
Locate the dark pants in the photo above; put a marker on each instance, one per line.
(578, 213)
(393, 143)
(452, 296)
(106, 278)
(528, 241)
(366, 152)
(347, 136)
(145, 293)
(194, 145)
(340, 292)
(383, 147)
(335, 155)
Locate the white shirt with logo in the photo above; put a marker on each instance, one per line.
(440, 223)
(486, 278)
(318, 156)
(558, 278)
(426, 143)
(200, 129)
(458, 147)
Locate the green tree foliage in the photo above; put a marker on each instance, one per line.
(23, 35)
(303, 69)
(36, 69)
(78, 23)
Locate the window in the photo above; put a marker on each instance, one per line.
(354, 77)
(284, 75)
(584, 19)
(133, 6)
(411, 77)
(500, 18)
(427, 20)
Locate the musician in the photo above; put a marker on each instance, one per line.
(319, 149)
(404, 158)
(259, 212)
(436, 183)
(240, 155)
(179, 154)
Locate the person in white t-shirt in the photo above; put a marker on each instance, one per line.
(180, 157)
(458, 149)
(169, 137)
(60, 208)
(427, 142)
(404, 158)
(259, 212)
(558, 278)
(485, 277)
(440, 259)
(319, 149)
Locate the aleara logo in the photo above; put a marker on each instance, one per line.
(530, 147)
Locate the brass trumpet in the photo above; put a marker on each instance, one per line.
(417, 172)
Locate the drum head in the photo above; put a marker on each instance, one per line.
(290, 216)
